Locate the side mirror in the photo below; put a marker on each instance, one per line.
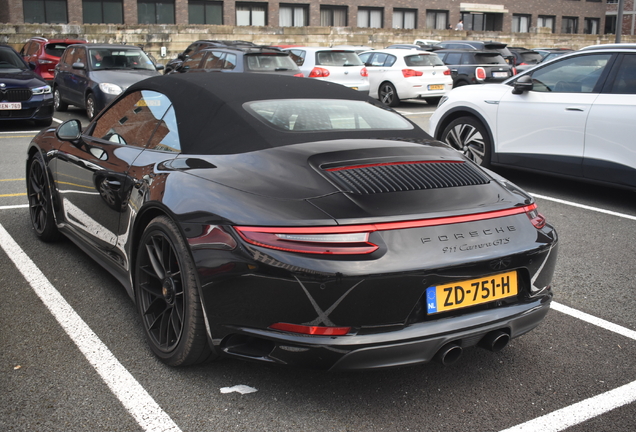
(159, 67)
(79, 65)
(32, 65)
(523, 84)
(70, 130)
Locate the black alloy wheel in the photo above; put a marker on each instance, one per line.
(168, 297)
(58, 103)
(40, 207)
(388, 94)
(469, 136)
(90, 106)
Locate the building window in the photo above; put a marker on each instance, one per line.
(293, 15)
(591, 25)
(569, 25)
(155, 11)
(404, 18)
(370, 17)
(437, 19)
(612, 1)
(251, 14)
(610, 24)
(103, 11)
(333, 16)
(546, 21)
(205, 12)
(521, 23)
(482, 21)
(45, 11)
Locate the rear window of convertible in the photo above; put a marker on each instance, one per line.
(301, 115)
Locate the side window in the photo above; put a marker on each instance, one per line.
(365, 57)
(298, 56)
(378, 59)
(193, 62)
(467, 59)
(625, 81)
(166, 135)
(81, 56)
(573, 75)
(68, 56)
(229, 61)
(214, 60)
(133, 119)
(32, 49)
(453, 58)
(390, 60)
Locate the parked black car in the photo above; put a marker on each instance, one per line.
(500, 47)
(475, 67)
(23, 94)
(199, 45)
(525, 58)
(292, 221)
(90, 76)
(241, 60)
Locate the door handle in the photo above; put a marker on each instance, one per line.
(574, 109)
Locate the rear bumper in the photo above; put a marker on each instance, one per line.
(414, 344)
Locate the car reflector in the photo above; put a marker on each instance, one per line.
(311, 330)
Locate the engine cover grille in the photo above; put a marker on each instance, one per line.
(406, 176)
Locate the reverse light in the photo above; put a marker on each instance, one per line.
(364, 72)
(408, 73)
(311, 330)
(480, 73)
(536, 218)
(109, 88)
(319, 72)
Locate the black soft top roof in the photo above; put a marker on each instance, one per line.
(211, 118)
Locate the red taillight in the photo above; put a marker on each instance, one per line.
(213, 237)
(311, 330)
(447, 71)
(364, 72)
(300, 74)
(514, 71)
(537, 219)
(522, 64)
(411, 73)
(480, 73)
(312, 241)
(319, 72)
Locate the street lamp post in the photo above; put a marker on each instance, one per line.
(619, 21)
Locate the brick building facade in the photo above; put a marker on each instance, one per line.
(509, 16)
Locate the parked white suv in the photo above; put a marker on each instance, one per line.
(342, 66)
(396, 74)
(573, 116)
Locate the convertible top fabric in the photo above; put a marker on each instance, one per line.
(212, 120)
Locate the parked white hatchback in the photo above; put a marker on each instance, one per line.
(397, 74)
(342, 66)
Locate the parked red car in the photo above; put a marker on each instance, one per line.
(45, 54)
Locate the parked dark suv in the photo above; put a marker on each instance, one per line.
(500, 47)
(90, 76)
(43, 54)
(475, 67)
(199, 45)
(247, 60)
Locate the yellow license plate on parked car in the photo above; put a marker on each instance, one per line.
(471, 292)
(436, 87)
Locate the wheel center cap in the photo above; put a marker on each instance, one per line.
(167, 290)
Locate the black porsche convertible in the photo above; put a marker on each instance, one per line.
(292, 221)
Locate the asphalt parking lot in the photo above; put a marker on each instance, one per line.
(73, 355)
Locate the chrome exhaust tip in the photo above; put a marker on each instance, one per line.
(495, 341)
(449, 354)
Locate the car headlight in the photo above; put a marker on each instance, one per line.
(41, 90)
(109, 88)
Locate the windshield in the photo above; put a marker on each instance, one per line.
(325, 115)
(117, 58)
(270, 63)
(486, 59)
(9, 60)
(338, 58)
(423, 60)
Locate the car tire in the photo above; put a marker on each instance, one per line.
(40, 201)
(167, 296)
(388, 94)
(433, 100)
(90, 106)
(470, 137)
(58, 103)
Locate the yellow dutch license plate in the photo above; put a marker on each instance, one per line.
(471, 292)
(436, 87)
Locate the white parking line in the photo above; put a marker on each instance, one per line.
(130, 393)
(583, 206)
